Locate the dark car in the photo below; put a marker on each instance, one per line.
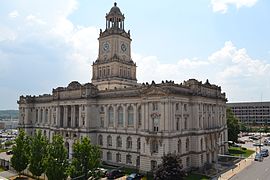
(258, 157)
(134, 176)
(116, 173)
(9, 152)
(265, 152)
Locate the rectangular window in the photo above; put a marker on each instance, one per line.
(155, 106)
(177, 124)
(185, 107)
(101, 121)
(153, 165)
(155, 124)
(118, 157)
(128, 159)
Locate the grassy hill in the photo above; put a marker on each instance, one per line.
(8, 114)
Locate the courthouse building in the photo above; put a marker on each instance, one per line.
(134, 124)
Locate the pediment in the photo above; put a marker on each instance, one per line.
(154, 91)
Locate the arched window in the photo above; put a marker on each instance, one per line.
(120, 116)
(100, 140)
(118, 157)
(128, 159)
(130, 116)
(179, 146)
(138, 143)
(154, 146)
(110, 114)
(129, 143)
(187, 145)
(119, 142)
(109, 140)
(109, 156)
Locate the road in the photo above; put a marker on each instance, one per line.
(256, 171)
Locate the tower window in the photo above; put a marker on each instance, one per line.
(108, 70)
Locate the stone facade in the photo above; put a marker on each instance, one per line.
(134, 124)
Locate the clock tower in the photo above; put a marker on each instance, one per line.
(114, 67)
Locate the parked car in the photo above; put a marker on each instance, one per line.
(266, 142)
(101, 172)
(233, 144)
(240, 141)
(134, 176)
(254, 138)
(116, 173)
(265, 152)
(9, 152)
(257, 144)
(258, 157)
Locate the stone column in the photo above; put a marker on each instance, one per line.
(143, 115)
(80, 116)
(65, 116)
(26, 116)
(106, 123)
(162, 116)
(57, 116)
(43, 116)
(167, 112)
(147, 116)
(125, 115)
(73, 116)
(115, 115)
(135, 119)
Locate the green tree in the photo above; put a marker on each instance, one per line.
(38, 153)
(170, 168)
(20, 158)
(86, 158)
(56, 161)
(233, 126)
(243, 127)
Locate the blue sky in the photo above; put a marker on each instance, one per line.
(46, 44)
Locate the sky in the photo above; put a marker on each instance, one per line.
(45, 44)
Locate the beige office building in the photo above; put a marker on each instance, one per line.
(251, 113)
(134, 124)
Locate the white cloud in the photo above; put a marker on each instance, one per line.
(34, 19)
(223, 5)
(13, 14)
(239, 75)
(6, 33)
(39, 42)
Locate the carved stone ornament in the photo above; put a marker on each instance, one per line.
(154, 91)
(147, 140)
(160, 142)
(155, 115)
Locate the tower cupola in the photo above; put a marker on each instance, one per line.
(115, 19)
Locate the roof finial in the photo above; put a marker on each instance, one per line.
(115, 3)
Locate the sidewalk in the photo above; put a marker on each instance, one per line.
(238, 167)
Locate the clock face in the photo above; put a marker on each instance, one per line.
(106, 47)
(123, 47)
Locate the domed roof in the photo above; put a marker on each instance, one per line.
(115, 10)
